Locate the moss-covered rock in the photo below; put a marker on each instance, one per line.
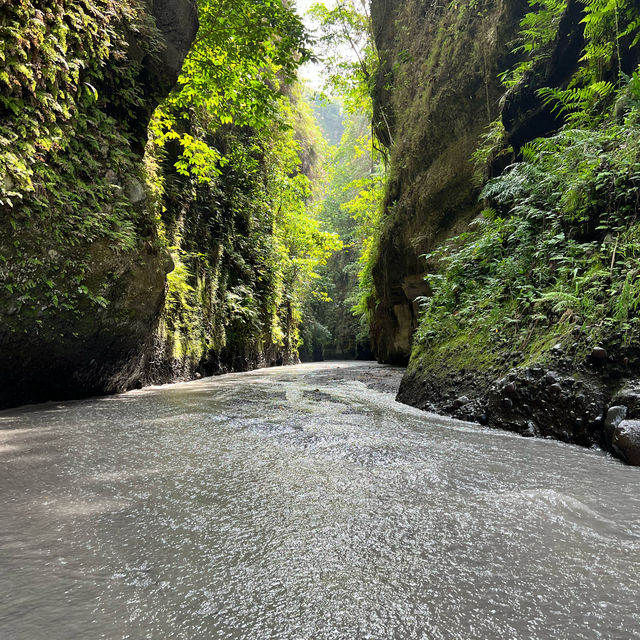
(82, 270)
(436, 92)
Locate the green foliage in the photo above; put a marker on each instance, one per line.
(64, 160)
(225, 180)
(577, 102)
(347, 50)
(247, 246)
(243, 54)
(608, 26)
(554, 256)
(538, 29)
(557, 253)
(492, 146)
(329, 117)
(351, 205)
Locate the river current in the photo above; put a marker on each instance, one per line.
(299, 504)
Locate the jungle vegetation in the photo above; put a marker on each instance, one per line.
(553, 258)
(268, 198)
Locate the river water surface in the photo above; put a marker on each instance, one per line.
(299, 504)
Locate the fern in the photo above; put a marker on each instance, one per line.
(577, 102)
(605, 24)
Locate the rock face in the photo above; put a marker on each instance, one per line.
(118, 270)
(177, 20)
(79, 304)
(581, 407)
(436, 92)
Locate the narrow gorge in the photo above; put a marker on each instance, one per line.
(160, 229)
(320, 320)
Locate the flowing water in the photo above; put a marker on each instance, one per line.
(299, 504)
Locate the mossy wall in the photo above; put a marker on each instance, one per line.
(116, 271)
(436, 91)
(226, 307)
(82, 271)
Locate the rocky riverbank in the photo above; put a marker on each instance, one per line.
(592, 405)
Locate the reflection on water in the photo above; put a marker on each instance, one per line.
(292, 504)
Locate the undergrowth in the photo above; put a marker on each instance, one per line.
(65, 157)
(553, 258)
(556, 252)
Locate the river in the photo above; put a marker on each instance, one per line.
(298, 503)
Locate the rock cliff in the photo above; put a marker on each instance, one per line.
(82, 273)
(437, 91)
(435, 94)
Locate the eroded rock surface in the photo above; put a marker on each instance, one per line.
(436, 92)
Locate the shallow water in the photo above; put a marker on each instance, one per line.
(296, 503)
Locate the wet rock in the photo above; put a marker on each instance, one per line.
(111, 177)
(507, 404)
(626, 441)
(555, 389)
(483, 419)
(615, 415)
(531, 431)
(599, 354)
(510, 388)
(551, 377)
(318, 396)
(135, 191)
(460, 402)
(7, 182)
(629, 396)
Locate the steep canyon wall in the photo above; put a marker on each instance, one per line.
(436, 92)
(117, 271)
(563, 370)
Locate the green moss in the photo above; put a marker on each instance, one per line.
(465, 349)
(65, 162)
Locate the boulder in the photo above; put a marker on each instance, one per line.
(460, 402)
(626, 441)
(629, 396)
(615, 415)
